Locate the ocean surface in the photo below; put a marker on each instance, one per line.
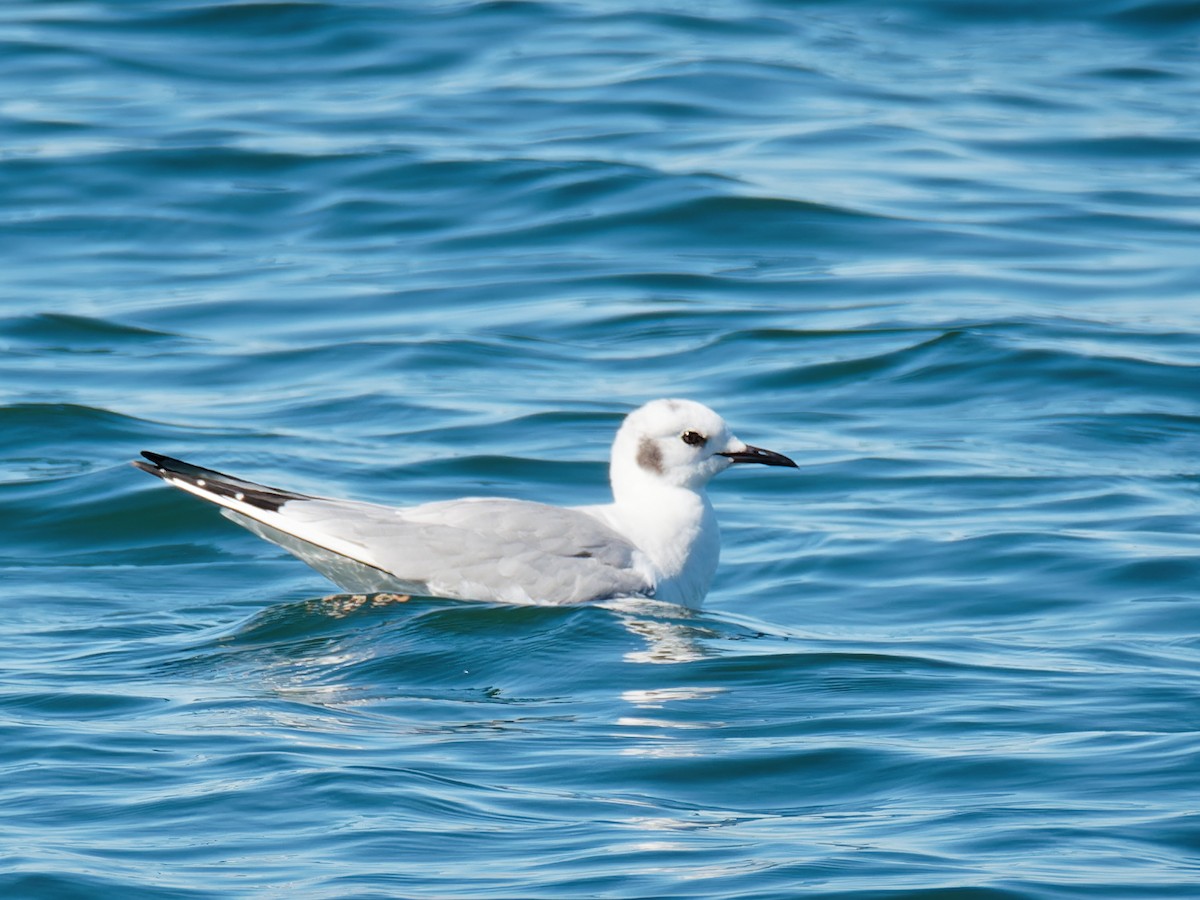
(946, 255)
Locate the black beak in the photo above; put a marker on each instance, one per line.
(758, 455)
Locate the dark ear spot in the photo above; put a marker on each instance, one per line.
(650, 456)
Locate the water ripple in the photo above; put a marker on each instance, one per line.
(943, 256)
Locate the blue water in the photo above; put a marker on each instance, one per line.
(942, 254)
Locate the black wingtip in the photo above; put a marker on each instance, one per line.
(160, 460)
(162, 464)
(158, 464)
(218, 484)
(154, 467)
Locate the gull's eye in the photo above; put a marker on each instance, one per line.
(694, 438)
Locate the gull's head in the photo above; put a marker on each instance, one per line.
(679, 443)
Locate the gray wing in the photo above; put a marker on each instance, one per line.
(511, 551)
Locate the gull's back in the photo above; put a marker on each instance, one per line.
(510, 551)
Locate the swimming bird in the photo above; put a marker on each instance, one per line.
(658, 538)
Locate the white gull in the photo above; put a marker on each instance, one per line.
(658, 538)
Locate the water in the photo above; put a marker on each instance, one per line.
(942, 254)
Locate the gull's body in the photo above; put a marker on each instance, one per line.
(658, 538)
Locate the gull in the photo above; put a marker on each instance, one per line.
(657, 539)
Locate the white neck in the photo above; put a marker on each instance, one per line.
(676, 528)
